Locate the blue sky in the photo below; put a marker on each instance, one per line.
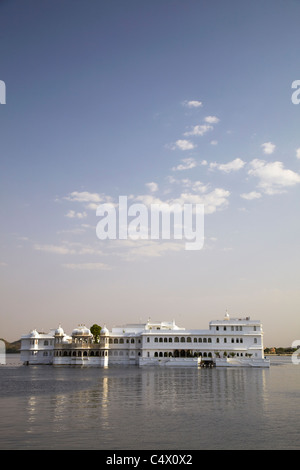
(160, 101)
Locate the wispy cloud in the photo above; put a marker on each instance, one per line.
(84, 196)
(268, 148)
(199, 130)
(69, 248)
(298, 153)
(87, 266)
(187, 164)
(182, 144)
(57, 249)
(90, 200)
(76, 215)
(234, 165)
(193, 104)
(153, 187)
(211, 119)
(273, 177)
(250, 196)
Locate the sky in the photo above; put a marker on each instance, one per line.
(161, 101)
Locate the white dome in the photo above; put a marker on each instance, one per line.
(104, 331)
(34, 333)
(59, 331)
(81, 330)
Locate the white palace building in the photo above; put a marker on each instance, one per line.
(228, 342)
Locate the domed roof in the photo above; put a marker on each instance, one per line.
(81, 330)
(34, 333)
(104, 331)
(59, 331)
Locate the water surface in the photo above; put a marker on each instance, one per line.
(122, 408)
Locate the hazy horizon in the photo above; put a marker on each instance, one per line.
(160, 101)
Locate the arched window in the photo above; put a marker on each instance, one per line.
(156, 354)
(160, 340)
(165, 340)
(189, 339)
(182, 339)
(156, 340)
(121, 341)
(195, 340)
(170, 340)
(132, 340)
(115, 341)
(200, 340)
(176, 339)
(85, 353)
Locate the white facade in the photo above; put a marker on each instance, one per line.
(227, 342)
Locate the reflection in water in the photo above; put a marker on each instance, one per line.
(153, 408)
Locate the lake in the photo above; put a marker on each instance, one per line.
(131, 408)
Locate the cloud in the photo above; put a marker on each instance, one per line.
(57, 249)
(76, 215)
(90, 200)
(216, 199)
(87, 266)
(273, 177)
(153, 187)
(268, 148)
(234, 165)
(183, 145)
(68, 248)
(188, 163)
(200, 129)
(211, 119)
(250, 196)
(298, 153)
(84, 196)
(193, 104)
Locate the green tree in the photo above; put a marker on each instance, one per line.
(96, 330)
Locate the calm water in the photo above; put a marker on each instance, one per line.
(43, 407)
